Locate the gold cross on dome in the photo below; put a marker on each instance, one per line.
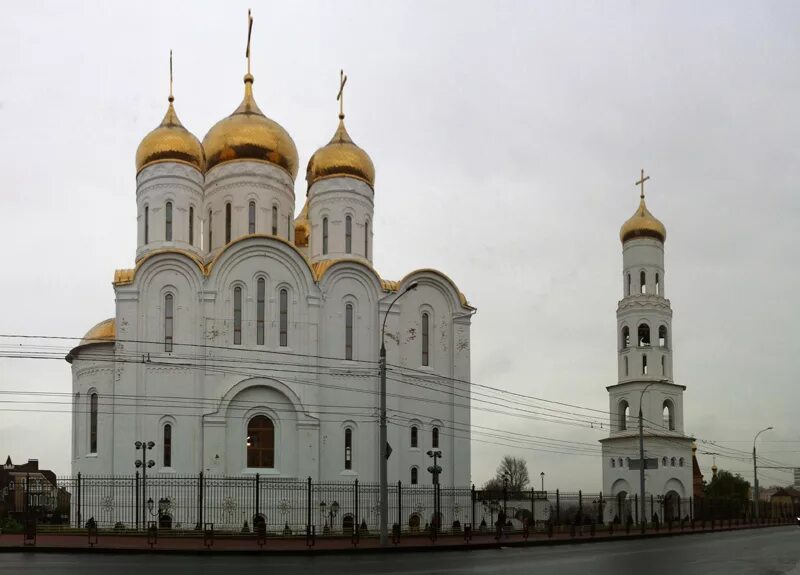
(249, 33)
(340, 95)
(171, 97)
(641, 182)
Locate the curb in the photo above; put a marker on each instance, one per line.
(448, 547)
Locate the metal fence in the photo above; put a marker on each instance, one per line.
(289, 506)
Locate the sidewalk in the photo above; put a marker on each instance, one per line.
(78, 541)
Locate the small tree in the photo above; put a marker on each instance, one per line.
(516, 469)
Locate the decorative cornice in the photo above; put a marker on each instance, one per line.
(169, 168)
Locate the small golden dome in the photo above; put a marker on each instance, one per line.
(302, 229)
(340, 157)
(103, 332)
(642, 224)
(248, 134)
(170, 142)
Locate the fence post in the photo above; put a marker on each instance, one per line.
(558, 508)
(26, 492)
(691, 508)
(258, 496)
(200, 496)
(474, 498)
(652, 507)
(580, 506)
(636, 506)
(309, 503)
(357, 521)
(600, 509)
(399, 507)
(79, 501)
(136, 498)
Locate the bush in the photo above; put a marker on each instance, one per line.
(245, 528)
(456, 526)
(10, 525)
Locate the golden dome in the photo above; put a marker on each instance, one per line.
(340, 157)
(170, 142)
(642, 224)
(103, 332)
(248, 134)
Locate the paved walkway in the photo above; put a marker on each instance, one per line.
(78, 540)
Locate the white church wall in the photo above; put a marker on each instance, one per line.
(335, 199)
(239, 183)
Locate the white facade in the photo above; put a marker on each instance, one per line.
(258, 326)
(644, 344)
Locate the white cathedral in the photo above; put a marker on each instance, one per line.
(246, 337)
(644, 332)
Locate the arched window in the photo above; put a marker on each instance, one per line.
(227, 223)
(644, 365)
(167, 444)
(672, 462)
(251, 218)
(644, 335)
(643, 282)
(348, 448)
(662, 336)
(348, 234)
(168, 321)
(209, 230)
(619, 461)
(623, 414)
(680, 462)
(261, 309)
(613, 462)
(435, 438)
(626, 365)
(366, 239)
(628, 286)
(147, 224)
(664, 461)
(626, 337)
(414, 476)
(168, 222)
(324, 236)
(658, 285)
(284, 318)
(93, 423)
(414, 436)
(191, 226)
(348, 331)
(260, 442)
(668, 413)
(274, 220)
(237, 316)
(425, 339)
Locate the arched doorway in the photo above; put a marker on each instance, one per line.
(672, 506)
(623, 508)
(413, 523)
(260, 442)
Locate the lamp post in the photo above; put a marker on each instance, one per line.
(144, 464)
(641, 454)
(383, 451)
(755, 473)
(435, 470)
(329, 513)
(542, 476)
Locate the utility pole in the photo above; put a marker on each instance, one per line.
(383, 451)
(755, 473)
(641, 455)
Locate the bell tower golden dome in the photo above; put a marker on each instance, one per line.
(247, 134)
(170, 141)
(341, 156)
(642, 224)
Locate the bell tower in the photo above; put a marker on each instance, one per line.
(645, 378)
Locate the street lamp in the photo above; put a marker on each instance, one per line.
(144, 464)
(755, 473)
(328, 512)
(435, 470)
(542, 476)
(383, 451)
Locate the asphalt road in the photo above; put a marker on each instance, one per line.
(770, 551)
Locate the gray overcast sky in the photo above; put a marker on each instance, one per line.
(506, 137)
